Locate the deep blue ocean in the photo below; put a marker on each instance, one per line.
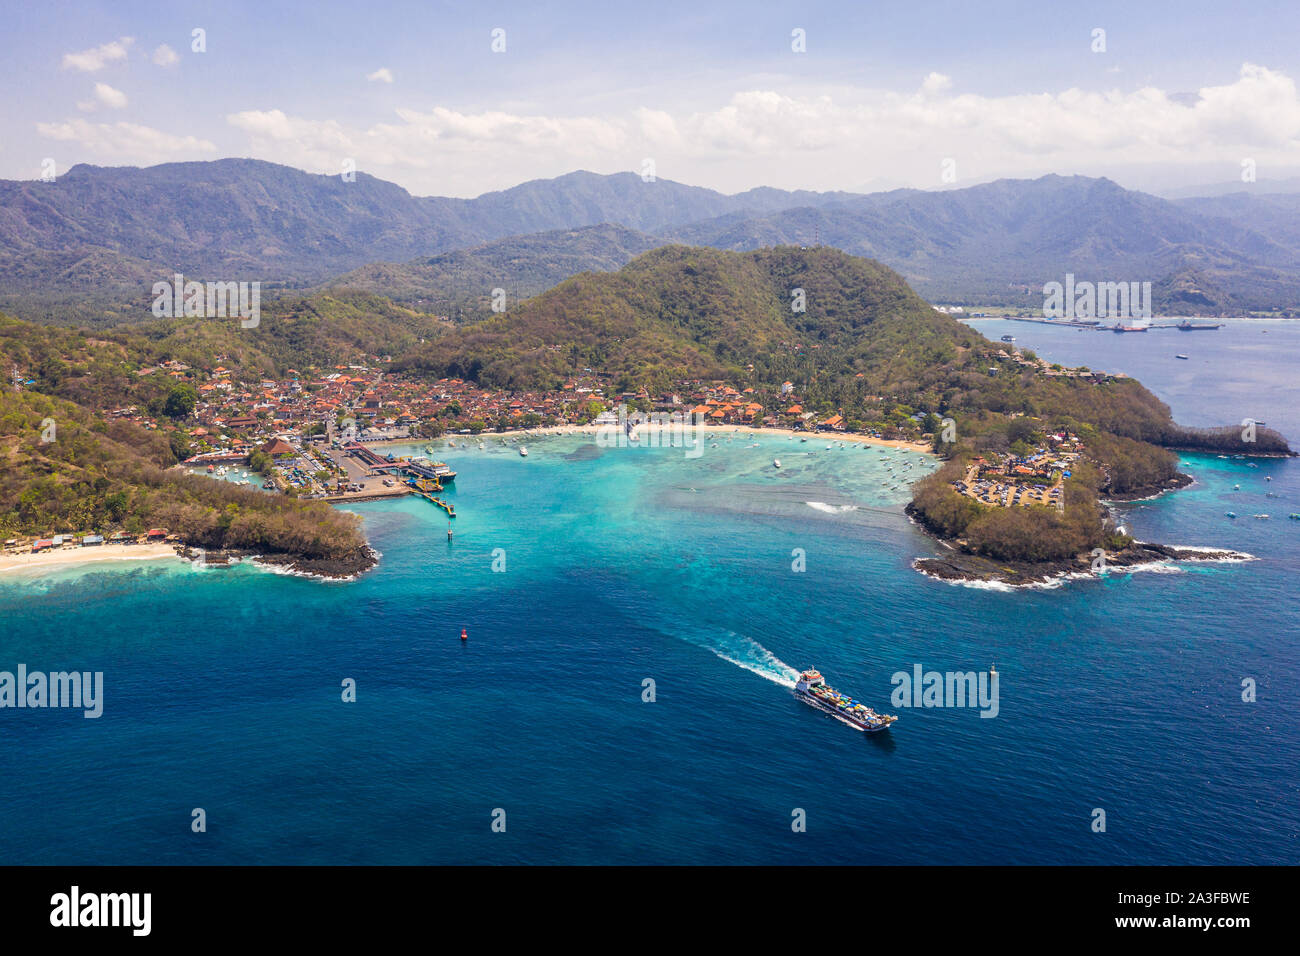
(223, 686)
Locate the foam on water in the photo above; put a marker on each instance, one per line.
(754, 657)
(830, 509)
(744, 652)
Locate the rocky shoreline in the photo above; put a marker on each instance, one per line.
(964, 567)
(1151, 491)
(343, 568)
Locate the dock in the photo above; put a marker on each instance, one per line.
(444, 505)
(425, 480)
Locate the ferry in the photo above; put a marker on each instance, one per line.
(428, 468)
(442, 471)
(1180, 355)
(812, 690)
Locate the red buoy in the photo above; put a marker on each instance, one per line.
(464, 635)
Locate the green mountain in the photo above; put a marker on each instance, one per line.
(460, 284)
(999, 243)
(96, 238)
(87, 248)
(994, 244)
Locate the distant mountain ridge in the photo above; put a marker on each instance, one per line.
(270, 221)
(998, 241)
(88, 246)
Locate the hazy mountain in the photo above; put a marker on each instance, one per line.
(995, 242)
(588, 199)
(89, 246)
(1260, 187)
(110, 232)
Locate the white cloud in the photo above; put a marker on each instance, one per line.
(778, 133)
(113, 99)
(126, 142)
(165, 56)
(460, 152)
(96, 58)
(936, 83)
(382, 75)
(275, 126)
(825, 140)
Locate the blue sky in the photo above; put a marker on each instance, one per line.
(927, 94)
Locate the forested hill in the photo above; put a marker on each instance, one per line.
(862, 339)
(688, 312)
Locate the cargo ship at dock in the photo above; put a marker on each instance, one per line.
(813, 691)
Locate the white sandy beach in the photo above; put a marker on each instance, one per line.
(66, 557)
(706, 432)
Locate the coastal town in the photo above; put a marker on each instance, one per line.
(312, 434)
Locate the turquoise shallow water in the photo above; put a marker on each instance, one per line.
(223, 686)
